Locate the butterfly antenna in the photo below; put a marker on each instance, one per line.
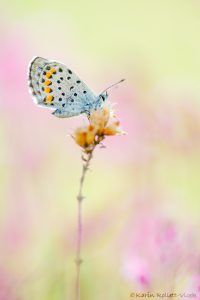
(112, 85)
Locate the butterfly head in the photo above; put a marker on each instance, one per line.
(104, 95)
(103, 98)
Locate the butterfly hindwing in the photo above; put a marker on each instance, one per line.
(55, 86)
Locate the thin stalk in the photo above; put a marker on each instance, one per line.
(80, 226)
(85, 168)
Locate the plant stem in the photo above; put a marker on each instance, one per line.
(80, 227)
(85, 168)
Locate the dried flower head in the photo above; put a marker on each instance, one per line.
(102, 123)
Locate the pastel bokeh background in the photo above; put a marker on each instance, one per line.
(142, 206)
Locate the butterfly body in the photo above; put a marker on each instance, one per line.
(54, 86)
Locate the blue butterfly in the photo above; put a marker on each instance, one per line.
(53, 85)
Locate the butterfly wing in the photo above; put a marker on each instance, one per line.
(55, 86)
(35, 69)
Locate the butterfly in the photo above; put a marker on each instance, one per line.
(54, 86)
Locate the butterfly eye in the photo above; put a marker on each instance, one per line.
(103, 98)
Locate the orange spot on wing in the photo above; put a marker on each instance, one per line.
(47, 90)
(47, 82)
(49, 99)
(48, 74)
(53, 71)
